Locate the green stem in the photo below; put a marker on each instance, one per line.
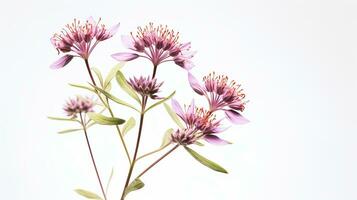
(92, 157)
(110, 111)
(152, 152)
(144, 99)
(142, 114)
(157, 161)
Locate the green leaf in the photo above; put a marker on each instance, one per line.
(161, 101)
(126, 87)
(87, 194)
(99, 75)
(210, 164)
(112, 73)
(63, 119)
(166, 140)
(173, 115)
(109, 87)
(109, 180)
(115, 99)
(101, 119)
(69, 130)
(135, 185)
(82, 87)
(199, 144)
(130, 124)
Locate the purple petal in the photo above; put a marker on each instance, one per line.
(215, 140)
(114, 29)
(235, 117)
(125, 56)
(177, 108)
(92, 21)
(195, 84)
(188, 65)
(63, 61)
(191, 108)
(185, 46)
(127, 41)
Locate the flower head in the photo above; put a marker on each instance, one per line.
(146, 86)
(78, 105)
(199, 124)
(184, 136)
(158, 44)
(221, 94)
(80, 39)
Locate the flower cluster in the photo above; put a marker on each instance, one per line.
(80, 39)
(145, 86)
(221, 94)
(199, 123)
(78, 105)
(158, 44)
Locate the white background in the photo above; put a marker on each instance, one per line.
(295, 59)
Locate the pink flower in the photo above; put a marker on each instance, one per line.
(146, 86)
(80, 39)
(200, 124)
(78, 105)
(221, 95)
(158, 44)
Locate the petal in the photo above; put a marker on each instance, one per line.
(235, 117)
(185, 46)
(195, 84)
(92, 21)
(125, 56)
(114, 29)
(215, 140)
(177, 108)
(188, 65)
(127, 41)
(191, 108)
(64, 60)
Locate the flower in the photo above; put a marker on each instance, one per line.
(200, 124)
(221, 95)
(158, 44)
(146, 86)
(78, 105)
(80, 39)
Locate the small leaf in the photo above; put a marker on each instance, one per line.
(210, 164)
(115, 99)
(101, 119)
(126, 87)
(130, 124)
(82, 87)
(69, 130)
(63, 119)
(109, 180)
(173, 115)
(109, 87)
(112, 73)
(88, 194)
(135, 185)
(166, 140)
(199, 144)
(99, 75)
(161, 101)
